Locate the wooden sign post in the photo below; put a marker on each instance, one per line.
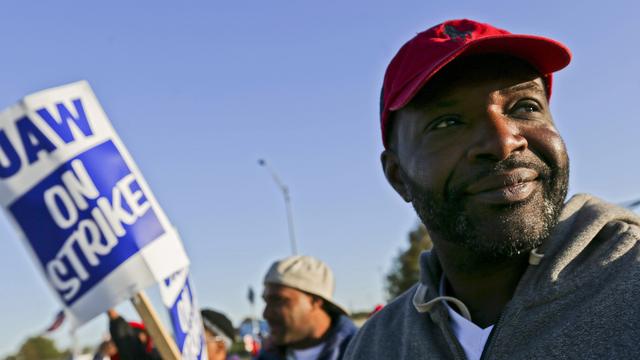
(164, 342)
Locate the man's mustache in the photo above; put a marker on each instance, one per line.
(458, 189)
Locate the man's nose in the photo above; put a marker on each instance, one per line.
(267, 313)
(497, 137)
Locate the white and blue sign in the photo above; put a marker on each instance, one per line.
(79, 201)
(179, 298)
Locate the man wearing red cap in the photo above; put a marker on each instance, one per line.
(515, 273)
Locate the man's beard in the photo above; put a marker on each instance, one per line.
(504, 231)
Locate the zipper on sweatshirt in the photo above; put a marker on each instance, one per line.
(484, 355)
(456, 343)
(494, 333)
(512, 310)
(445, 327)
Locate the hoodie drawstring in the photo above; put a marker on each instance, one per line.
(534, 257)
(422, 307)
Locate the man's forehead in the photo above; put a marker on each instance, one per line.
(280, 290)
(508, 73)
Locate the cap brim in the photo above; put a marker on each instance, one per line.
(545, 55)
(338, 308)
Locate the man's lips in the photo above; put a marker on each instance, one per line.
(502, 180)
(504, 187)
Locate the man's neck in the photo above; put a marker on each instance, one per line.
(484, 288)
(318, 335)
(306, 343)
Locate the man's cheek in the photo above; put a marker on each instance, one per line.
(550, 144)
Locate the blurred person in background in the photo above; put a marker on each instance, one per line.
(305, 322)
(218, 333)
(106, 351)
(131, 339)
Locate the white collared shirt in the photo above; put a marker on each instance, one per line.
(311, 353)
(472, 337)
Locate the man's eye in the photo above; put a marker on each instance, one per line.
(526, 107)
(444, 122)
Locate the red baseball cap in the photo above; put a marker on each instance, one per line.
(422, 57)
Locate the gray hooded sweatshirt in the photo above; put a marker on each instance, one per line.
(582, 301)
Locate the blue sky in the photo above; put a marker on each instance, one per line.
(200, 90)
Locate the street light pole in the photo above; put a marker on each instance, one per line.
(287, 202)
(633, 204)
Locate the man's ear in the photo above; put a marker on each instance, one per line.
(393, 172)
(317, 302)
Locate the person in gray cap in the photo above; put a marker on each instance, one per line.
(515, 272)
(305, 322)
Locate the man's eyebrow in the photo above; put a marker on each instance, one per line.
(445, 103)
(530, 85)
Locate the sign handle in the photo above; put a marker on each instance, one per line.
(164, 342)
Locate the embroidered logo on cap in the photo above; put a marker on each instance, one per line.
(456, 34)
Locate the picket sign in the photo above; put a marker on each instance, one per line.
(179, 298)
(77, 199)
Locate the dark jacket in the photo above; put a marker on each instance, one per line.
(129, 345)
(336, 341)
(580, 302)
